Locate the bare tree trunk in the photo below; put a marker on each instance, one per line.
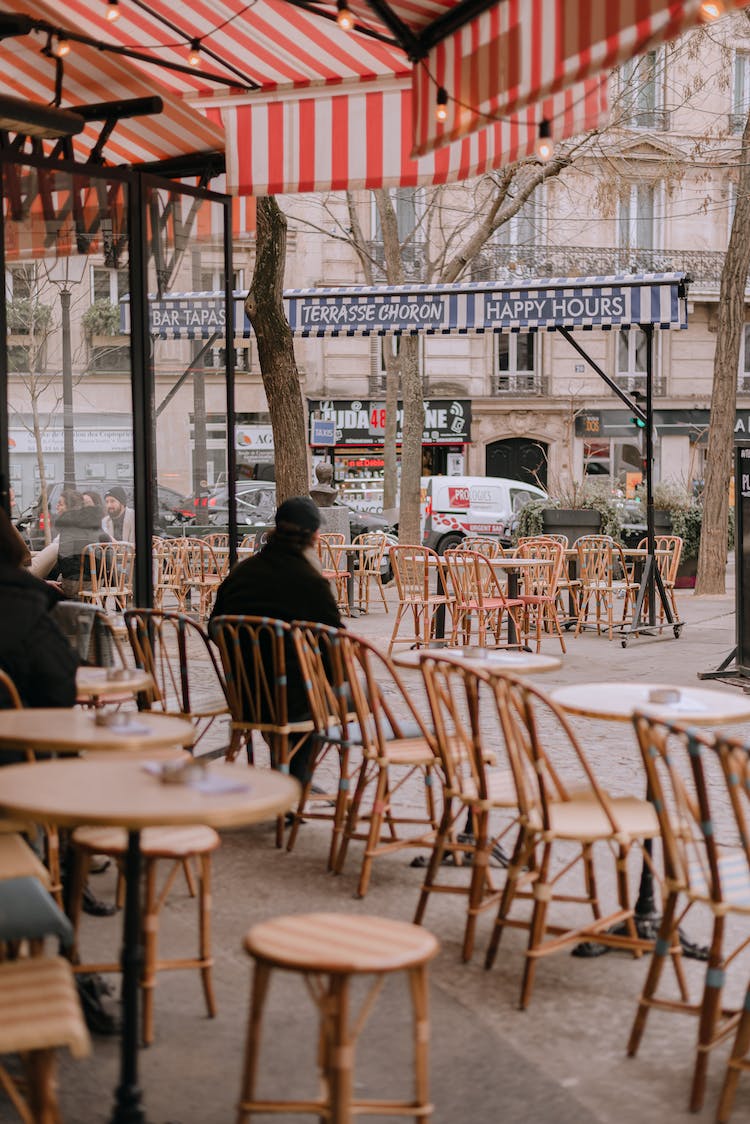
(265, 308)
(390, 466)
(411, 441)
(40, 466)
(712, 556)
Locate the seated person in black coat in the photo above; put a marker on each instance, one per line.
(33, 650)
(284, 581)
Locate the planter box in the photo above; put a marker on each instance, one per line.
(572, 522)
(686, 573)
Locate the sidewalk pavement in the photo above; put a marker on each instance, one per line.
(560, 1062)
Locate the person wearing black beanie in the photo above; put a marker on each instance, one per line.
(283, 581)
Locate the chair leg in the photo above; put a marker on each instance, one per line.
(542, 894)
(379, 805)
(709, 1016)
(420, 1003)
(261, 978)
(204, 928)
(734, 1065)
(506, 900)
(150, 933)
(436, 859)
(352, 818)
(479, 865)
(80, 868)
(340, 1053)
(42, 1066)
(656, 967)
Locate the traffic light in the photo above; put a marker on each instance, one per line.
(639, 423)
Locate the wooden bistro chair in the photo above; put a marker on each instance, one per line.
(380, 725)
(489, 547)
(603, 574)
(561, 821)
(477, 593)
(372, 547)
(180, 658)
(204, 572)
(473, 783)
(539, 594)
(704, 865)
(108, 567)
(735, 763)
(333, 563)
(169, 573)
(668, 556)
(175, 846)
(327, 950)
(254, 653)
(414, 568)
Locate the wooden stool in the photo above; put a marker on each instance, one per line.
(337, 946)
(39, 1011)
(178, 844)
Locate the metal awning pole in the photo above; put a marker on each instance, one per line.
(650, 539)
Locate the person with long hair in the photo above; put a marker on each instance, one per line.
(78, 524)
(33, 650)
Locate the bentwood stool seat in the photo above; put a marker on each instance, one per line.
(327, 949)
(177, 844)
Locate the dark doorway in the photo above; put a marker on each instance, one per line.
(518, 458)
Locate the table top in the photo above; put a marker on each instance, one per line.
(616, 702)
(93, 682)
(75, 730)
(123, 794)
(492, 660)
(512, 562)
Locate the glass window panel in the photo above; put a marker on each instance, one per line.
(71, 426)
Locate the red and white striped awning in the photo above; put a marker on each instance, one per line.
(309, 107)
(90, 77)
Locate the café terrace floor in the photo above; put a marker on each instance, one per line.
(560, 1062)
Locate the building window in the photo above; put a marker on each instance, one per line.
(109, 284)
(212, 279)
(378, 371)
(632, 353)
(642, 92)
(215, 359)
(408, 203)
(636, 217)
(517, 364)
(740, 92)
(524, 229)
(744, 373)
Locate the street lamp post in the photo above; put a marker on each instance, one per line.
(69, 458)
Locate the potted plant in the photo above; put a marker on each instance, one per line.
(587, 508)
(102, 318)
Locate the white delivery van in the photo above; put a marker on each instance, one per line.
(455, 506)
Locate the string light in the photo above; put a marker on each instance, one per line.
(544, 146)
(441, 107)
(711, 10)
(344, 17)
(60, 48)
(194, 54)
(113, 10)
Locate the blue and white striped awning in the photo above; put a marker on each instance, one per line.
(621, 301)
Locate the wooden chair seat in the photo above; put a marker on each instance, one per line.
(39, 1011)
(17, 860)
(39, 1007)
(585, 820)
(735, 881)
(175, 844)
(500, 789)
(338, 946)
(156, 842)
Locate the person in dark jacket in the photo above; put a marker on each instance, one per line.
(33, 650)
(77, 525)
(284, 581)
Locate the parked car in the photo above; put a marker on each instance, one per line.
(169, 511)
(455, 506)
(256, 506)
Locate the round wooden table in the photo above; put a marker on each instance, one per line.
(495, 661)
(61, 730)
(93, 684)
(123, 794)
(617, 702)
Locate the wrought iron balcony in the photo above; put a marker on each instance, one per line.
(506, 264)
(526, 385)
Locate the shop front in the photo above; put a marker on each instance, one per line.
(354, 441)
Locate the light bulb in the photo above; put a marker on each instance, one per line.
(711, 10)
(194, 54)
(441, 107)
(113, 10)
(544, 147)
(61, 48)
(344, 17)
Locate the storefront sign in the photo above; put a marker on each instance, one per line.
(253, 437)
(668, 423)
(84, 441)
(360, 422)
(322, 431)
